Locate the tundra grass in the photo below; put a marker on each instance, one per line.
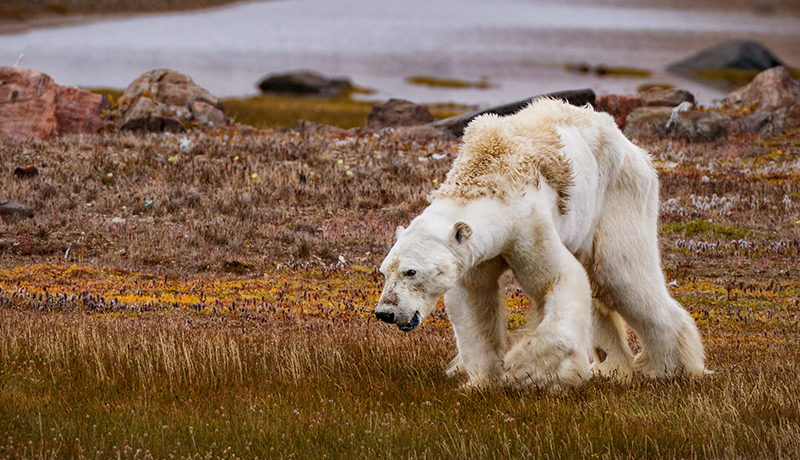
(448, 83)
(209, 295)
(291, 365)
(272, 110)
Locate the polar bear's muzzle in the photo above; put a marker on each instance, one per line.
(411, 325)
(403, 323)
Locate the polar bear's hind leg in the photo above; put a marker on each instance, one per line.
(626, 269)
(613, 357)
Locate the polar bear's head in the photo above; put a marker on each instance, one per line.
(422, 265)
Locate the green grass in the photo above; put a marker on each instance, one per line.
(448, 83)
(261, 111)
(707, 229)
(734, 77)
(113, 94)
(274, 110)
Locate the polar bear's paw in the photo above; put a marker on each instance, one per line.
(483, 383)
(456, 367)
(546, 365)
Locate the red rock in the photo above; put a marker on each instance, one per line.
(618, 106)
(32, 106)
(79, 111)
(27, 105)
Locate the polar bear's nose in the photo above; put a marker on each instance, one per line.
(384, 316)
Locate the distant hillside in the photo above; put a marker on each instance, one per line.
(20, 14)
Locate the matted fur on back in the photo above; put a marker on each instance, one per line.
(501, 155)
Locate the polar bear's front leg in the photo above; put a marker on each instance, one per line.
(554, 351)
(479, 322)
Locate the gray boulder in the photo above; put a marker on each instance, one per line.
(305, 83)
(690, 125)
(147, 115)
(163, 99)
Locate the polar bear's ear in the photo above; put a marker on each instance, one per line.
(398, 231)
(461, 231)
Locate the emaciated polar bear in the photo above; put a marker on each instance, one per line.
(557, 194)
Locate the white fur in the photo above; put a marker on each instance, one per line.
(606, 245)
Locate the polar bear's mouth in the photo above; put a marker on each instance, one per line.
(411, 325)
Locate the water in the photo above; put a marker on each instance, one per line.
(521, 46)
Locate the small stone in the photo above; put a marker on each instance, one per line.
(666, 97)
(398, 112)
(27, 172)
(12, 211)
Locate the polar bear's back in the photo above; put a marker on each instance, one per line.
(501, 155)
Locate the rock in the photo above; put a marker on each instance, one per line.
(309, 127)
(398, 112)
(455, 125)
(773, 100)
(162, 99)
(618, 106)
(304, 83)
(171, 88)
(727, 65)
(208, 114)
(689, 125)
(771, 90)
(26, 172)
(426, 132)
(27, 105)
(147, 115)
(79, 111)
(11, 211)
(32, 106)
(665, 97)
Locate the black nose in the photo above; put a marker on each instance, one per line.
(385, 317)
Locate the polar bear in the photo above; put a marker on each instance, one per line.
(559, 196)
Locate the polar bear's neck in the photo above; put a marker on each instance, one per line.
(487, 217)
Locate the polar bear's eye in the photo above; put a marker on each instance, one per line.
(409, 273)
